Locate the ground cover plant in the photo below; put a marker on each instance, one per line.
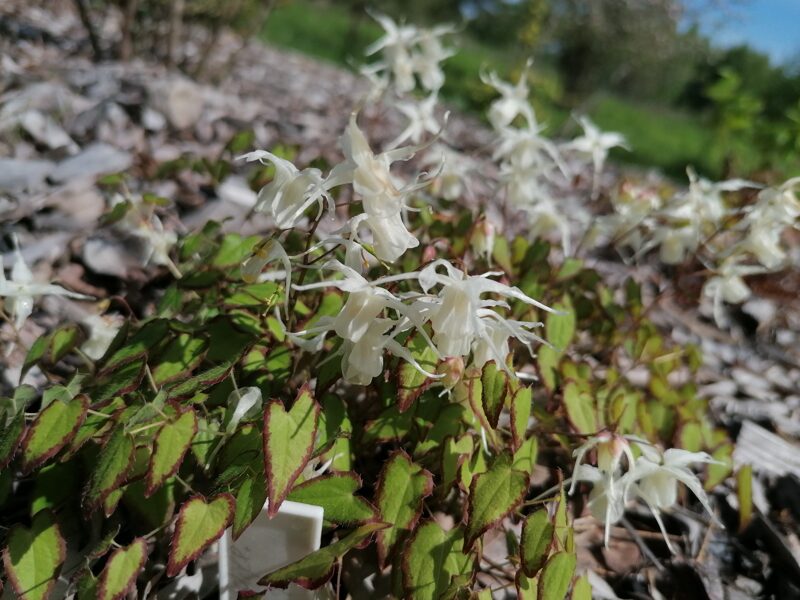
(458, 398)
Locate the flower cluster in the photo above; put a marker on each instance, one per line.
(652, 478)
(408, 54)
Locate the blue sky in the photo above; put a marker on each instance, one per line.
(771, 26)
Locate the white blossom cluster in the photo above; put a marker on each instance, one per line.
(730, 241)
(652, 477)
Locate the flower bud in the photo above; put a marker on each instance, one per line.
(453, 370)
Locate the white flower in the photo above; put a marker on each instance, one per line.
(656, 482)
(291, 191)
(395, 47)
(454, 169)
(527, 148)
(728, 285)
(461, 315)
(20, 292)
(421, 117)
(427, 61)
(245, 402)
(513, 100)
(482, 238)
(141, 222)
(596, 144)
(102, 331)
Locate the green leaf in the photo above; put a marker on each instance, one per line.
(547, 360)
(580, 408)
(199, 382)
(336, 495)
(63, 340)
(432, 558)
(250, 501)
(744, 491)
(123, 566)
(402, 485)
(171, 444)
(494, 385)
(288, 443)
(560, 329)
(493, 495)
(121, 381)
(556, 576)
(537, 535)
(179, 358)
(582, 590)
(111, 469)
(717, 473)
(53, 428)
(525, 457)
(521, 405)
(410, 382)
(33, 557)
(10, 436)
(152, 333)
(315, 569)
(199, 524)
(454, 454)
(527, 588)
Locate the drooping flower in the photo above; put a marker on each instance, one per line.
(20, 292)
(513, 100)
(421, 117)
(728, 285)
(291, 190)
(264, 254)
(596, 144)
(141, 221)
(242, 403)
(460, 314)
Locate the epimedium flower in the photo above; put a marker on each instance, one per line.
(395, 47)
(596, 144)
(265, 253)
(655, 481)
(291, 190)
(513, 100)
(459, 314)
(728, 285)
(20, 291)
(421, 116)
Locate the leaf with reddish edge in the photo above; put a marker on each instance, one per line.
(199, 382)
(494, 384)
(288, 443)
(315, 569)
(249, 503)
(556, 576)
(402, 486)
(493, 495)
(521, 405)
(33, 556)
(53, 428)
(431, 559)
(410, 382)
(113, 464)
(10, 437)
(335, 493)
(171, 444)
(123, 566)
(199, 525)
(535, 542)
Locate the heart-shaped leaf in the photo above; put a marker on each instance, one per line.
(53, 428)
(336, 494)
(494, 383)
(432, 558)
(493, 495)
(315, 569)
(537, 535)
(288, 443)
(199, 524)
(171, 444)
(556, 576)
(111, 469)
(32, 557)
(179, 358)
(123, 566)
(402, 485)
